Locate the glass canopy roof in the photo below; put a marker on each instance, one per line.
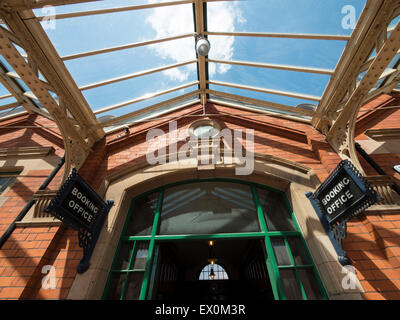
(136, 59)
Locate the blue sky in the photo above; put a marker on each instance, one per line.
(82, 34)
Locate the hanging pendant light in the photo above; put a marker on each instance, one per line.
(211, 258)
(212, 274)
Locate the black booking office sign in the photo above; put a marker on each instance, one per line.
(77, 204)
(344, 194)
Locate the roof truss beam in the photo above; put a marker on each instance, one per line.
(374, 18)
(342, 132)
(41, 51)
(16, 91)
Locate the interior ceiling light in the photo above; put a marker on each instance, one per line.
(212, 274)
(202, 47)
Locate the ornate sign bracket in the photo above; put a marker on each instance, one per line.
(343, 195)
(88, 240)
(81, 208)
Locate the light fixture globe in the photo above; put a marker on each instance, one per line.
(202, 47)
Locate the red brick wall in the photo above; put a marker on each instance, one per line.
(29, 249)
(373, 241)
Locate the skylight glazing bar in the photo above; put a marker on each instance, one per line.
(10, 105)
(274, 66)
(127, 46)
(255, 111)
(151, 108)
(119, 9)
(281, 35)
(264, 90)
(146, 97)
(157, 115)
(200, 16)
(262, 103)
(135, 75)
(6, 96)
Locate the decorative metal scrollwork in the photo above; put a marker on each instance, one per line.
(336, 225)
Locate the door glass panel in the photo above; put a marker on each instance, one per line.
(141, 219)
(290, 284)
(310, 284)
(275, 211)
(208, 207)
(298, 251)
(281, 253)
(141, 255)
(134, 286)
(116, 285)
(124, 256)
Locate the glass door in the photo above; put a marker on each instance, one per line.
(171, 225)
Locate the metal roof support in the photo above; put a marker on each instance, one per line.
(16, 91)
(341, 134)
(73, 141)
(375, 17)
(40, 49)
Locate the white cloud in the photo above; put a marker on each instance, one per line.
(173, 20)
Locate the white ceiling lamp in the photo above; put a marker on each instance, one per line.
(202, 46)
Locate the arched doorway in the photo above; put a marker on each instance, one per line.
(165, 244)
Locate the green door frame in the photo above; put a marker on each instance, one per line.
(271, 262)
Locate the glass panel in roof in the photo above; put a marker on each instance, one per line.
(294, 52)
(306, 16)
(3, 91)
(222, 100)
(102, 67)
(295, 82)
(150, 114)
(137, 87)
(6, 101)
(289, 101)
(148, 102)
(96, 5)
(12, 111)
(118, 28)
